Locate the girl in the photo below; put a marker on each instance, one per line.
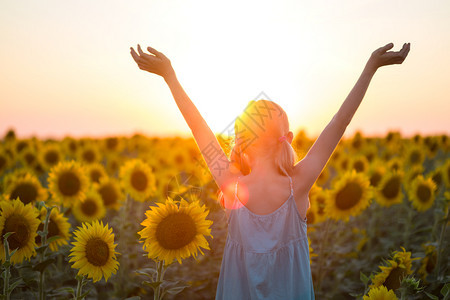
(266, 254)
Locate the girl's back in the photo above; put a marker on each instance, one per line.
(266, 255)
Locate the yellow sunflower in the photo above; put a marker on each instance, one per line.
(376, 172)
(422, 193)
(428, 262)
(89, 153)
(359, 163)
(5, 161)
(28, 158)
(319, 200)
(113, 163)
(392, 274)
(93, 251)
(173, 231)
(389, 190)
(380, 293)
(90, 208)
(110, 191)
(68, 182)
(58, 225)
(26, 187)
(113, 144)
(137, 179)
(396, 164)
(23, 221)
(437, 175)
(95, 172)
(50, 155)
(414, 155)
(411, 174)
(70, 146)
(350, 195)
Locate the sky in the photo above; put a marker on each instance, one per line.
(66, 67)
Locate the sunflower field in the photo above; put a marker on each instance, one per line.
(138, 218)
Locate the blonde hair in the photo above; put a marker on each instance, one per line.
(258, 130)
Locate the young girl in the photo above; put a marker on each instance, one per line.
(266, 254)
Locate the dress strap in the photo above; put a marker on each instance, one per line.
(292, 187)
(235, 188)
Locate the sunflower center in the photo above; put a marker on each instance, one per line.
(349, 196)
(26, 192)
(431, 263)
(19, 225)
(391, 188)
(2, 162)
(30, 158)
(358, 166)
(109, 194)
(375, 179)
(88, 207)
(69, 184)
(176, 231)
(51, 157)
(95, 175)
(53, 229)
(111, 143)
(423, 193)
(139, 180)
(97, 251)
(89, 156)
(393, 281)
(73, 146)
(414, 158)
(321, 202)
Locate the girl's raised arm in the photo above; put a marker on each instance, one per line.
(309, 168)
(210, 148)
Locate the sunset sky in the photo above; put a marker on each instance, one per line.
(66, 68)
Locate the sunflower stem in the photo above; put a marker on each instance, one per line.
(439, 250)
(7, 266)
(407, 230)
(79, 287)
(159, 278)
(44, 243)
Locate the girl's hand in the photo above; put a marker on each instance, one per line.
(381, 58)
(158, 63)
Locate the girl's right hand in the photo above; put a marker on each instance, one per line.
(381, 58)
(158, 63)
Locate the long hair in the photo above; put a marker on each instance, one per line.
(257, 132)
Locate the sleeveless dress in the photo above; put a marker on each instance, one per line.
(266, 256)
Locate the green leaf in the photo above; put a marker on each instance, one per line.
(85, 293)
(133, 298)
(42, 265)
(41, 249)
(6, 235)
(176, 290)
(42, 233)
(445, 291)
(153, 285)
(15, 284)
(363, 278)
(431, 296)
(146, 272)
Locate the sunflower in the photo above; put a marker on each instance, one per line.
(349, 197)
(422, 193)
(359, 163)
(428, 262)
(174, 231)
(50, 156)
(392, 274)
(113, 144)
(437, 175)
(396, 164)
(137, 179)
(95, 171)
(110, 191)
(70, 146)
(28, 158)
(412, 173)
(58, 225)
(23, 221)
(414, 155)
(380, 293)
(389, 190)
(113, 163)
(90, 208)
(93, 251)
(26, 187)
(89, 153)
(68, 182)
(319, 200)
(376, 172)
(5, 161)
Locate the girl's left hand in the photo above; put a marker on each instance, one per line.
(381, 58)
(157, 64)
